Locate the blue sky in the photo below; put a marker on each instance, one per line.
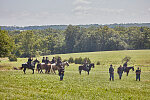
(55, 12)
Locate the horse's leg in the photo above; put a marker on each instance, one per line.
(33, 71)
(41, 71)
(88, 72)
(54, 71)
(45, 71)
(80, 72)
(24, 70)
(127, 73)
(48, 70)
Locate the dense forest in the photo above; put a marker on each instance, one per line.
(25, 43)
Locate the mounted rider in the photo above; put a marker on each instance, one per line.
(85, 65)
(125, 65)
(59, 62)
(29, 61)
(53, 60)
(47, 61)
(43, 60)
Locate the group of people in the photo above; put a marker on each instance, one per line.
(120, 71)
(46, 61)
(111, 69)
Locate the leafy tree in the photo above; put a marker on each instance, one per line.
(6, 43)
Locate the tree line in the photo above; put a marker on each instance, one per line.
(63, 27)
(73, 39)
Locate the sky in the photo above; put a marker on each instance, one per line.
(75, 12)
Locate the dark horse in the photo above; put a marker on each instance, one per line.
(88, 68)
(25, 66)
(127, 69)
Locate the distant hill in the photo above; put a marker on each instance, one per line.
(63, 27)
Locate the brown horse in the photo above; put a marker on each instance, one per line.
(32, 66)
(54, 67)
(42, 66)
(88, 68)
(127, 69)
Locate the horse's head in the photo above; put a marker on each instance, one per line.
(133, 68)
(66, 63)
(92, 65)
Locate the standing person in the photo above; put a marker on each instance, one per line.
(120, 71)
(61, 72)
(43, 60)
(111, 71)
(138, 72)
(29, 61)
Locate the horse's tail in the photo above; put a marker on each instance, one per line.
(22, 66)
(38, 66)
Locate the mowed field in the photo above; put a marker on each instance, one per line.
(96, 86)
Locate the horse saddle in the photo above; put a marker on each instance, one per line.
(85, 68)
(42, 63)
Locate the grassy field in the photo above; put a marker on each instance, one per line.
(96, 86)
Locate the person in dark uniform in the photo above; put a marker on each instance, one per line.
(46, 61)
(85, 63)
(111, 72)
(138, 72)
(53, 60)
(61, 72)
(59, 61)
(43, 60)
(125, 65)
(120, 71)
(29, 61)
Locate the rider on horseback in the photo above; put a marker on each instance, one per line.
(85, 64)
(53, 60)
(125, 65)
(43, 60)
(29, 61)
(46, 61)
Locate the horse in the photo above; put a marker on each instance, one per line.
(42, 66)
(32, 66)
(88, 68)
(127, 69)
(55, 67)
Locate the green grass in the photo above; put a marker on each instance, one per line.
(96, 86)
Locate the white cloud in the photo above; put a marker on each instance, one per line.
(81, 9)
(148, 9)
(82, 2)
(110, 10)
